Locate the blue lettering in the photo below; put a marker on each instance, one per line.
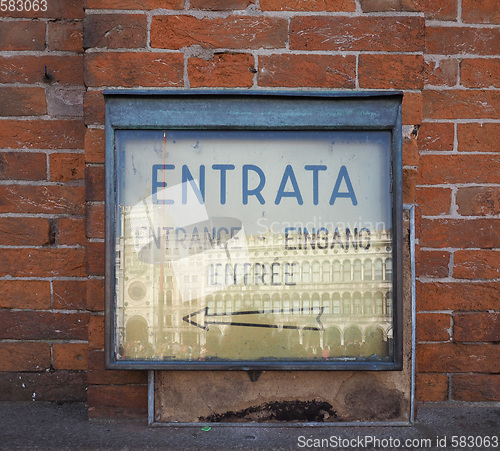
(223, 168)
(315, 168)
(255, 191)
(198, 190)
(288, 174)
(156, 184)
(343, 175)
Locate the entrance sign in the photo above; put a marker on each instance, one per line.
(253, 231)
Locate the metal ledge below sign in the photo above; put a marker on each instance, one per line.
(254, 231)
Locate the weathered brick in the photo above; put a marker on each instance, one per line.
(478, 201)
(66, 69)
(225, 70)
(457, 233)
(442, 10)
(436, 136)
(357, 33)
(95, 220)
(37, 325)
(65, 167)
(443, 72)
(234, 32)
(220, 5)
(479, 264)
(431, 387)
(56, 9)
(325, 71)
(433, 327)
(41, 199)
(485, 11)
(480, 73)
(96, 332)
(93, 108)
(411, 156)
(45, 262)
(412, 108)
(460, 104)
(369, 6)
(117, 401)
(438, 169)
(69, 232)
(29, 134)
(134, 4)
(70, 356)
(434, 201)
(95, 259)
(134, 69)
(409, 185)
(94, 146)
(312, 5)
(23, 166)
(457, 358)
(461, 40)
(478, 137)
(22, 35)
(25, 294)
(480, 326)
(65, 101)
(458, 296)
(95, 295)
(94, 183)
(69, 294)
(98, 375)
(22, 101)
(24, 231)
(475, 387)
(433, 264)
(114, 31)
(65, 36)
(390, 71)
(24, 356)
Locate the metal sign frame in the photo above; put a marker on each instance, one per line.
(253, 110)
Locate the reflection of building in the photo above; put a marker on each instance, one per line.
(302, 297)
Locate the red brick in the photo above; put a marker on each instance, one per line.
(22, 35)
(94, 146)
(25, 294)
(70, 231)
(41, 199)
(24, 231)
(226, 70)
(220, 5)
(457, 358)
(95, 295)
(480, 264)
(478, 137)
(461, 40)
(94, 183)
(458, 233)
(134, 4)
(438, 169)
(412, 108)
(93, 108)
(41, 134)
(485, 11)
(24, 356)
(65, 36)
(69, 294)
(117, 401)
(70, 356)
(98, 375)
(36, 325)
(480, 73)
(96, 332)
(433, 327)
(65, 167)
(409, 185)
(134, 69)
(411, 156)
(57, 9)
(369, 6)
(66, 69)
(312, 5)
(442, 72)
(95, 220)
(433, 264)
(324, 71)
(458, 296)
(23, 166)
(114, 31)
(436, 136)
(390, 71)
(442, 10)
(95, 259)
(46, 262)
(475, 387)
(431, 387)
(434, 201)
(363, 33)
(478, 201)
(234, 32)
(22, 101)
(459, 104)
(480, 327)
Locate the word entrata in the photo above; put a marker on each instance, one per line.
(288, 178)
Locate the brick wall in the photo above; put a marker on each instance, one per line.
(443, 55)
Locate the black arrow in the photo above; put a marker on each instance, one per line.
(204, 311)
